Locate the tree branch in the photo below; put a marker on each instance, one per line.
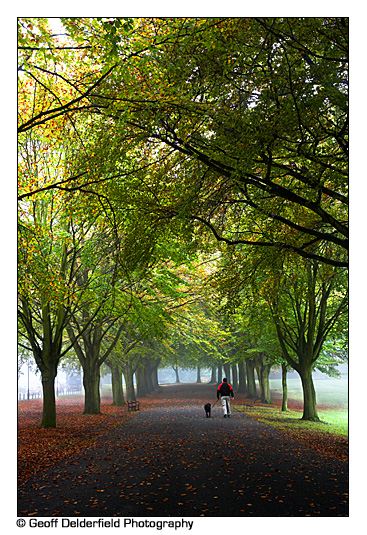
(62, 109)
(280, 245)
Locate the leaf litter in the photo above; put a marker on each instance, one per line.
(40, 449)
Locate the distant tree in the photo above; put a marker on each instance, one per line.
(307, 307)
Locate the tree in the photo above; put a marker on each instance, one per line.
(90, 356)
(45, 293)
(96, 270)
(250, 372)
(306, 299)
(306, 311)
(50, 232)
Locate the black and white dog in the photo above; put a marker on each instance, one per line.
(208, 409)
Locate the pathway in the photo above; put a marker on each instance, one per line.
(171, 461)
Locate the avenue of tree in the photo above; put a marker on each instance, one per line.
(183, 200)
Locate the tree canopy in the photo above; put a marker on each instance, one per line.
(251, 113)
(176, 174)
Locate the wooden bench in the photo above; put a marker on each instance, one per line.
(133, 406)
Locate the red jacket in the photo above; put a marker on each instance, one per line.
(225, 389)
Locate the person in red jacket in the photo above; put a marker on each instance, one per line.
(225, 391)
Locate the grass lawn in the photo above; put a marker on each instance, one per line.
(333, 421)
(330, 435)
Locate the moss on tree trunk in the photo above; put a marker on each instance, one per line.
(309, 396)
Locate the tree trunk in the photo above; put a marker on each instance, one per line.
(213, 379)
(263, 371)
(148, 377)
(129, 381)
(91, 377)
(154, 375)
(284, 387)
(117, 390)
(242, 388)
(90, 362)
(258, 370)
(265, 384)
(198, 375)
(49, 402)
(227, 371)
(309, 395)
(177, 376)
(234, 377)
(251, 385)
(141, 382)
(220, 373)
(46, 355)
